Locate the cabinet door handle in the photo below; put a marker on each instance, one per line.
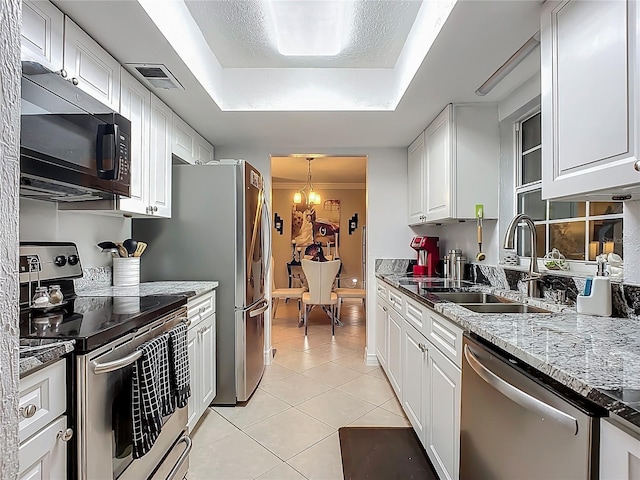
(636, 166)
(74, 80)
(155, 208)
(384, 309)
(28, 411)
(65, 435)
(422, 347)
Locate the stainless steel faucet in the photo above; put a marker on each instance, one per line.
(534, 274)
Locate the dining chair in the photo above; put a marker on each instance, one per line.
(320, 277)
(278, 294)
(343, 293)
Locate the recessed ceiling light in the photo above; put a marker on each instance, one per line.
(311, 28)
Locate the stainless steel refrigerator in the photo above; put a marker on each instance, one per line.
(216, 232)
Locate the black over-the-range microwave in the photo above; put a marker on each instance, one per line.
(72, 147)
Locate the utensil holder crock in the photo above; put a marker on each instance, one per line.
(126, 271)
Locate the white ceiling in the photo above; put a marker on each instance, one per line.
(240, 39)
(476, 39)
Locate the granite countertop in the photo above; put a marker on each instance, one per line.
(188, 289)
(35, 354)
(596, 357)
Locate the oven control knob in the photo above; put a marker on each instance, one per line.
(73, 259)
(60, 260)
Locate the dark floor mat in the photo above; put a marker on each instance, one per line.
(383, 453)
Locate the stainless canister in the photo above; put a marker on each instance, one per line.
(454, 264)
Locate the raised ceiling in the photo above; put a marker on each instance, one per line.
(476, 39)
(241, 37)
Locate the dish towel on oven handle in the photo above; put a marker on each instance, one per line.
(179, 356)
(151, 393)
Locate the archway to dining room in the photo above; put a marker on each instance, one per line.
(318, 210)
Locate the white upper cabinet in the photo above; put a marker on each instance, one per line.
(42, 34)
(416, 181)
(135, 104)
(160, 159)
(96, 72)
(456, 167)
(188, 145)
(590, 78)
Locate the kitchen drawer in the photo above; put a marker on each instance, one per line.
(416, 314)
(201, 306)
(44, 455)
(42, 398)
(394, 298)
(446, 336)
(382, 290)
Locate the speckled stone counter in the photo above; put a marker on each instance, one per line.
(596, 357)
(188, 289)
(35, 354)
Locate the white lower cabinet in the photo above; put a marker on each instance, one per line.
(394, 358)
(43, 425)
(619, 452)
(201, 339)
(382, 319)
(44, 455)
(442, 439)
(423, 369)
(415, 381)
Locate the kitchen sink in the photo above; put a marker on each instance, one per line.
(471, 297)
(502, 308)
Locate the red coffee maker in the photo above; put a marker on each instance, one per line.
(428, 255)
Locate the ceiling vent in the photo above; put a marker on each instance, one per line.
(156, 75)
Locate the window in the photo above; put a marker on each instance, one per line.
(579, 230)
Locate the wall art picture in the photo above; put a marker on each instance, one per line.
(315, 223)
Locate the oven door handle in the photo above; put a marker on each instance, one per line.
(107, 367)
(522, 398)
(185, 438)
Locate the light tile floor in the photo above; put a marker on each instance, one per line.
(289, 427)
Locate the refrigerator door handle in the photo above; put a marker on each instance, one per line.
(260, 310)
(254, 233)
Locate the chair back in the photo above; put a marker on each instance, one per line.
(320, 278)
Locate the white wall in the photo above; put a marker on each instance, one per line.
(9, 174)
(41, 221)
(388, 235)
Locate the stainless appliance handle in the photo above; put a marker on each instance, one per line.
(522, 398)
(267, 251)
(107, 367)
(254, 233)
(185, 438)
(258, 311)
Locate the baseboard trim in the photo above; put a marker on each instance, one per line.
(370, 359)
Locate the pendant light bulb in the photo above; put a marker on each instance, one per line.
(316, 200)
(297, 198)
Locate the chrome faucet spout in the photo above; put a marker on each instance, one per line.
(534, 275)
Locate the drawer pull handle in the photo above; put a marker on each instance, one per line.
(65, 435)
(636, 166)
(384, 309)
(422, 347)
(28, 411)
(202, 309)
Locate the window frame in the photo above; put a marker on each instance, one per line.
(520, 188)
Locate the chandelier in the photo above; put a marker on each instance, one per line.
(310, 196)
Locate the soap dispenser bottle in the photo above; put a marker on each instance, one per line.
(596, 298)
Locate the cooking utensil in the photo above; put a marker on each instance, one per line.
(140, 249)
(122, 251)
(108, 247)
(131, 245)
(480, 255)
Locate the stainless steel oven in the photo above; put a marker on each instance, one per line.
(104, 439)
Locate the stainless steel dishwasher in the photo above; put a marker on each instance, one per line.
(515, 426)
